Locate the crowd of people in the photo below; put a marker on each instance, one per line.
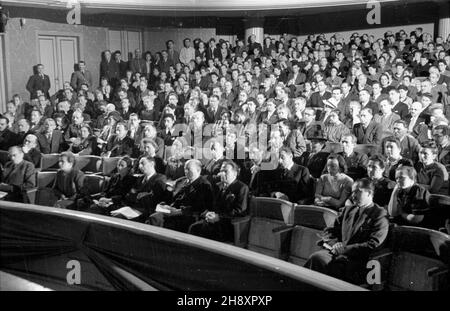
(201, 129)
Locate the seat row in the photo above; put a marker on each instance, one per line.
(411, 258)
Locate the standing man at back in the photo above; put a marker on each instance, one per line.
(81, 76)
(38, 81)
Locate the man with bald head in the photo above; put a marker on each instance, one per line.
(17, 177)
(192, 196)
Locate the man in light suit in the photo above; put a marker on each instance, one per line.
(38, 81)
(81, 76)
(368, 131)
(361, 228)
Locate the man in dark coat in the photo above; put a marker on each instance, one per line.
(7, 137)
(38, 81)
(368, 131)
(231, 202)
(360, 229)
(51, 140)
(17, 177)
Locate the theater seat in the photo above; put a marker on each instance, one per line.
(309, 221)
(44, 195)
(94, 183)
(440, 209)
(49, 162)
(368, 149)
(108, 165)
(418, 260)
(270, 226)
(88, 163)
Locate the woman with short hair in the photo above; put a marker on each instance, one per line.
(334, 187)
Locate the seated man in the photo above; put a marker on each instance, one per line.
(18, 176)
(360, 228)
(51, 140)
(193, 197)
(149, 190)
(120, 144)
(231, 202)
(299, 186)
(30, 150)
(316, 159)
(149, 149)
(356, 162)
(383, 186)
(7, 137)
(68, 186)
(441, 135)
(368, 131)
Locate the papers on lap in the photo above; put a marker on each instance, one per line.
(162, 209)
(127, 212)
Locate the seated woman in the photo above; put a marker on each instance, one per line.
(333, 188)
(68, 186)
(17, 176)
(408, 203)
(430, 174)
(86, 143)
(118, 187)
(150, 132)
(392, 150)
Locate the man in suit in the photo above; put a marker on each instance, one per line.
(360, 229)
(301, 188)
(296, 78)
(270, 115)
(18, 176)
(109, 69)
(368, 131)
(7, 137)
(81, 76)
(441, 135)
(51, 140)
(317, 98)
(137, 64)
(123, 65)
(356, 162)
(30, 150)
(212, 51)
(119, 144)
(214, 111)
(38, 81)
(193, 197)
(231, 202)
(417, 124)
(149, 190)
(316, 159)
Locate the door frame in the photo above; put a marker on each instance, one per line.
(7, 92)
(79, 36)
(124, 39)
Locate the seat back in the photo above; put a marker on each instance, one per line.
(108, 165)
(421, 259)
(310, 221)
(88, 163)
(368, 149)
(49, 162)
(271, 208)
(269, 214)
(45, 179)
(411, 271)
(314, 217)
(94, 183)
